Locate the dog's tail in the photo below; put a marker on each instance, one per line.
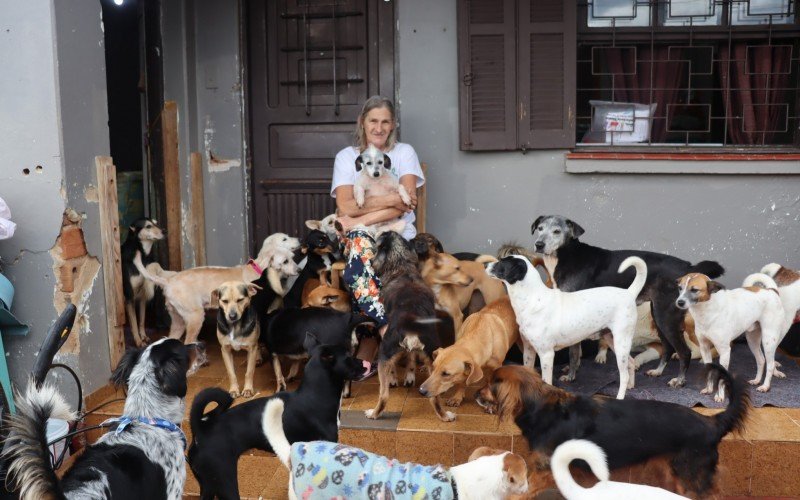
(734, 416)
(485, 259)
(30, 470)
(771, 269)
(157, 279)
(641, 273)
(710, 268)
(198, 419)
(760, 279)
(512, 248)
(272, 425)
(575, 449)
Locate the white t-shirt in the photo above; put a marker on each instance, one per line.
(404, 161)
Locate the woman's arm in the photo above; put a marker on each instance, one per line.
(346, 202)
(382, 215)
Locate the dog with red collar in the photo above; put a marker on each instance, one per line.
(188, 293)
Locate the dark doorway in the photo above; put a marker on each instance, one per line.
(312, 64)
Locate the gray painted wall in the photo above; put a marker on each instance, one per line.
(203, 73)
(479, 200)
(53, 114)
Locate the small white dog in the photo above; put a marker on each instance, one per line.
(721, 315)
(581, 449)
(376, 179)
(342, 471)
(550, 319)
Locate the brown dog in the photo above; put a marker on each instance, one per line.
(237, 328)
(453, 281)
(484, 341)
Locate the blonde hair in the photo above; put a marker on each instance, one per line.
(375, 102)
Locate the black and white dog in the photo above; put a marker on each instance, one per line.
(574, 265)
(142, 458)
(142, 235)
(222, 434)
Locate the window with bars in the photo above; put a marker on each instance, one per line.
(687, 72)
(601, 73)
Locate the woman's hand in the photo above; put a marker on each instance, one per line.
(398, 202)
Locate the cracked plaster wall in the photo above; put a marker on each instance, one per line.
(53, 115)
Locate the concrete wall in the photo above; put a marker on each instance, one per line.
(203, 73)
(53, 115)
(479, 200)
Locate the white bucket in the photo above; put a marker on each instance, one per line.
(57, 428)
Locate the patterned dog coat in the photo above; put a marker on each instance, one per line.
(326, 471)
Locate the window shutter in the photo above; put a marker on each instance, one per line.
(546, 73)
(487, 72)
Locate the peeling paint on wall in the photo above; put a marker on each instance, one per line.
(91, 194)
(213, 162)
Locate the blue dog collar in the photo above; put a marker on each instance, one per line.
(124, 421)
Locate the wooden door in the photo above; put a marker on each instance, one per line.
(312, 64)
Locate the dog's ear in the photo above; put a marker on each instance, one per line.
(327, 356)
(437, 261)
(314, 224)
(121, 374)
(387, 162)
(252, 289)
(536, 223)
(359, 163)
(215, 295)
(577, 230)
(170, 373)
(475, 374)
(436, 352)
(714, 286)
(311, 341)
(438, 245)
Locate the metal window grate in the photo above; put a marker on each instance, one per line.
(688, 73)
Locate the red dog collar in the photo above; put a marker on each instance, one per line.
(255, 267)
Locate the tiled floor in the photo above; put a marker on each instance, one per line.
(760, 463)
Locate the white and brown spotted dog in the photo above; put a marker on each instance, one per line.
(721, 315)
(788, 282)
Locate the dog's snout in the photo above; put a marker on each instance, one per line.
(423, 391)
(233, 315)
(539, 245)
(680, 303)
(376, 174)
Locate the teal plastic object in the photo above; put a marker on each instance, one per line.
(9, 325)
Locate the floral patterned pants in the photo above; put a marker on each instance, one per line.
(360, 277)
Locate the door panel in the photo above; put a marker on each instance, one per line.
(312, 64)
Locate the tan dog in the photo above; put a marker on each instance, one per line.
(237, 328)
(327, 294)
(187, 293)
(485, 339)
(453, 281)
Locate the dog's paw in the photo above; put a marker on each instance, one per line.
(601, 357)
(567, 378)
(719, 398)
(411, 379)
(247, 393)
(234, 393)
(454, 402)
(565, 369)
(778, 374)
(755, 381)
(370, 414)
(705, 390)
(655, 372)
(778, 364)
(448, 416)
(763, 388)
(676, 382)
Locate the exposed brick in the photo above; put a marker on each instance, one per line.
(72, 244)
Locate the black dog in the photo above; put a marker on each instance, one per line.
(220, 436)
(142, 235)
(579, 266)
(414, 330)
(630, 431)
(286, 329)
(318, 249)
